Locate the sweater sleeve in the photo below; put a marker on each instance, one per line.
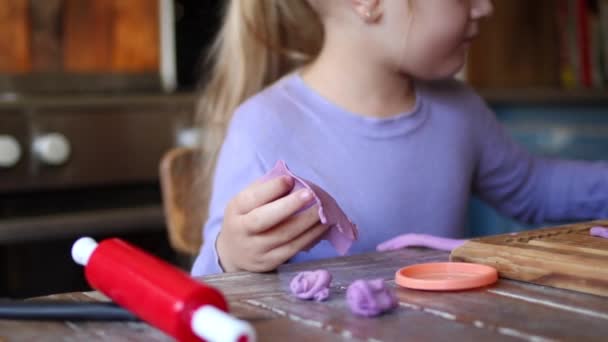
(237, 167)
(533, 189)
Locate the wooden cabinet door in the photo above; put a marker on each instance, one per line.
(111, 36)
(518, 46)
(14, 36)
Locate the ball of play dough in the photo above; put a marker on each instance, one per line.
(311, 285)
(370, 297)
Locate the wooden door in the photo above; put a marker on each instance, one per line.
(14, 36)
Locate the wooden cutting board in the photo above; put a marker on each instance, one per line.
(566, 256)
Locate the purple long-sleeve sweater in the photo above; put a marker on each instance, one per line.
(411, 173)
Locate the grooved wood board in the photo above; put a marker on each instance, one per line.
(566, 256)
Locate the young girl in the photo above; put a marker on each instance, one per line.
(361, 102)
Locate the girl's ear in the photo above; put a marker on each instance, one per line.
(368, 10)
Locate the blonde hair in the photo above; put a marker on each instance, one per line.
(258, 43)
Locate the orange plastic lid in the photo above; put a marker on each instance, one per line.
(446, 276)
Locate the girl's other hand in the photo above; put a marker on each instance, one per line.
(261, 232)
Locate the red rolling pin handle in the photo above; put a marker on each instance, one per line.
(159, 293)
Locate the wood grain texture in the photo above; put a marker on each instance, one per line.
(506, 311)
(46, 46)
(87, 35)
(111, 36)
(517, 47)
(184, 210)
(565, 257)
(136, 42)
(15, 56)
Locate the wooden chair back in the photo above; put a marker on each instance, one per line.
(183, 201)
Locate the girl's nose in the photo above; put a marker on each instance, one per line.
(481, 9)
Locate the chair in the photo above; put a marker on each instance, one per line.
(183, 201)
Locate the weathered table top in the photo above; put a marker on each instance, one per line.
(508, 310)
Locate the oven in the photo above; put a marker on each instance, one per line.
(86, 165)
(85, 117)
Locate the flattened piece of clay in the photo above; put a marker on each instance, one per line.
(599, 232)
(342, 232)
(421, 240)
(311, 285)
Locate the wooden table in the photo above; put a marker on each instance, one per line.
(509, 310)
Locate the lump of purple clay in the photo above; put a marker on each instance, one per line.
(422, 240)
(342, 232)
(311, 285)
(370, 297)
(599, 232)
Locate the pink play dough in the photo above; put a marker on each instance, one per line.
(422, 240)
(370, 297)
(311, 285)
(342, 232)
(599, 232)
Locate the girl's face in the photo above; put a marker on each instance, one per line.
(428, 39)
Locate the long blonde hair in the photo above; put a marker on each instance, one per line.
(258, 43)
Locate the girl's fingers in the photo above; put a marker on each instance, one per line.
(291, 228)
(283, 253)
(260, 193)
(271, 214)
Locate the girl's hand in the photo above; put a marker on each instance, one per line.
(261, 232)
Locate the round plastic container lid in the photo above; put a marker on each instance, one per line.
(446, 276)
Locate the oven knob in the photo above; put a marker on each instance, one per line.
(188, 137)
(10, 151)
(52, 148)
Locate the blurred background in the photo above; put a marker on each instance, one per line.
(94, 92)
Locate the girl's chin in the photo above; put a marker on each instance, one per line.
(446, 73)
(458, 66)
(449, 69)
